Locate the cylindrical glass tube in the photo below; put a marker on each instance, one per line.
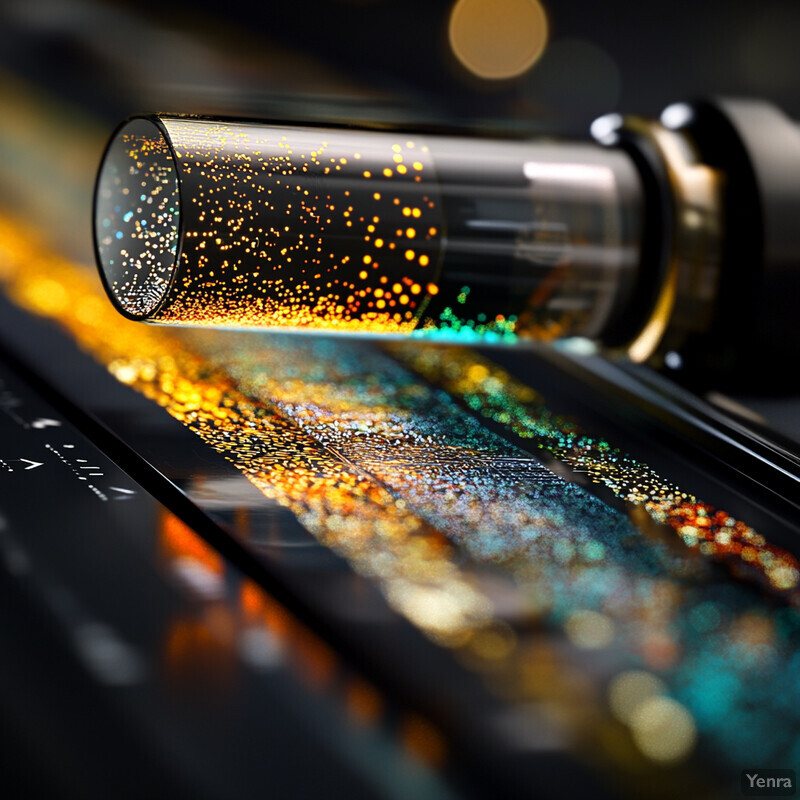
(211, 222)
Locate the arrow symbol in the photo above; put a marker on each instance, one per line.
(31, 464)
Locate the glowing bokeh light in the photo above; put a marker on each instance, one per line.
(663, 729)
(498, 39)
(630, 689)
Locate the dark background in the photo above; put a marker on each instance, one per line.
(391, 60)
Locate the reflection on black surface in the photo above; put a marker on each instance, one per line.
(197, 661)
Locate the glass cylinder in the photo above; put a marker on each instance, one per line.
(239, 224)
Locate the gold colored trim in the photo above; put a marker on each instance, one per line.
(687, 293)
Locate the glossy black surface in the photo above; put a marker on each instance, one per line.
(131, 707)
